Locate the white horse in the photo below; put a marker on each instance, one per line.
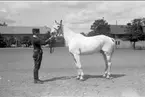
(79, 44)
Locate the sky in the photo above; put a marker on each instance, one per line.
(77, 15)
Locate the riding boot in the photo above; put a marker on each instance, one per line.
(36, 78)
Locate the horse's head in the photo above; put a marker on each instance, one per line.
(57, 28)
(142, 22)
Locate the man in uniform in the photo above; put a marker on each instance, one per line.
(37, 55)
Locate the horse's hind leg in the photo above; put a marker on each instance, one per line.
(107, 58)
(109, 63)
(106, 65)
(79, 67)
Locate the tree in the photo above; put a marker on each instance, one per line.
(83, 33)
(91, 33)
(2, 41)
(3, 24)
(26, 40)
(135, 30)
(12, 40)
(100, 26)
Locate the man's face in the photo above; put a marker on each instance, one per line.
(37, 33)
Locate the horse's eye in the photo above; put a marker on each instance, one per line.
(58, 26)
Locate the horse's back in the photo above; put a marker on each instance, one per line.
(109, 43)
(91, 44)
(85, 44)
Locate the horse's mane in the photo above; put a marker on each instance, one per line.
(67, 30)
(68, 33)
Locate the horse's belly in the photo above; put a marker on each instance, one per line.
(89, 50)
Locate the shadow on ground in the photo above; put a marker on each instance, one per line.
(86, 77)
(59, 78)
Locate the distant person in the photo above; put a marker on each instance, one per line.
(37, 55)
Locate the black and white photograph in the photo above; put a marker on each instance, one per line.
(72, 48)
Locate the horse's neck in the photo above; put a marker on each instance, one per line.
(68, 34)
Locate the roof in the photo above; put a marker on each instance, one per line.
(21, 29)
(115, 29)
(118, 29)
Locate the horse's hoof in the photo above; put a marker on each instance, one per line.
(108, 77)
(104, 75)
(82, 79)
(78, 77)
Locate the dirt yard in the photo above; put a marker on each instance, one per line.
(59, 74)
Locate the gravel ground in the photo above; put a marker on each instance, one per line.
(59, 74)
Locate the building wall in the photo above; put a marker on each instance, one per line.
(140, 44)
(19, 32)
(123, 44)
(127, 44)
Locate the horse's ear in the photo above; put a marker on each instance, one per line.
(60, 21)
(56, 22)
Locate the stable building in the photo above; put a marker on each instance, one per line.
(120, 34)
(17, 33)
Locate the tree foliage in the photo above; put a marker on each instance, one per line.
(2, 42)
(3, 24)
(26, 40)
(83, 33)
(100, 26)
(135, 30)
(12, 40)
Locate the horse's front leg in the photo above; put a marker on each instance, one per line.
(79, 67)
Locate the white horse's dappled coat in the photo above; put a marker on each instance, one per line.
(79, 44)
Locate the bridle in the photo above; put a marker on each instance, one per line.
(59, 29)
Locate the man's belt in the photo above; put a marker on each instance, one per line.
(37, 50)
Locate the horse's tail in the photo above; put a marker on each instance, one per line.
(114, 45)
(113, 40)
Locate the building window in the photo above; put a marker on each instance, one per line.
(117, 42)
